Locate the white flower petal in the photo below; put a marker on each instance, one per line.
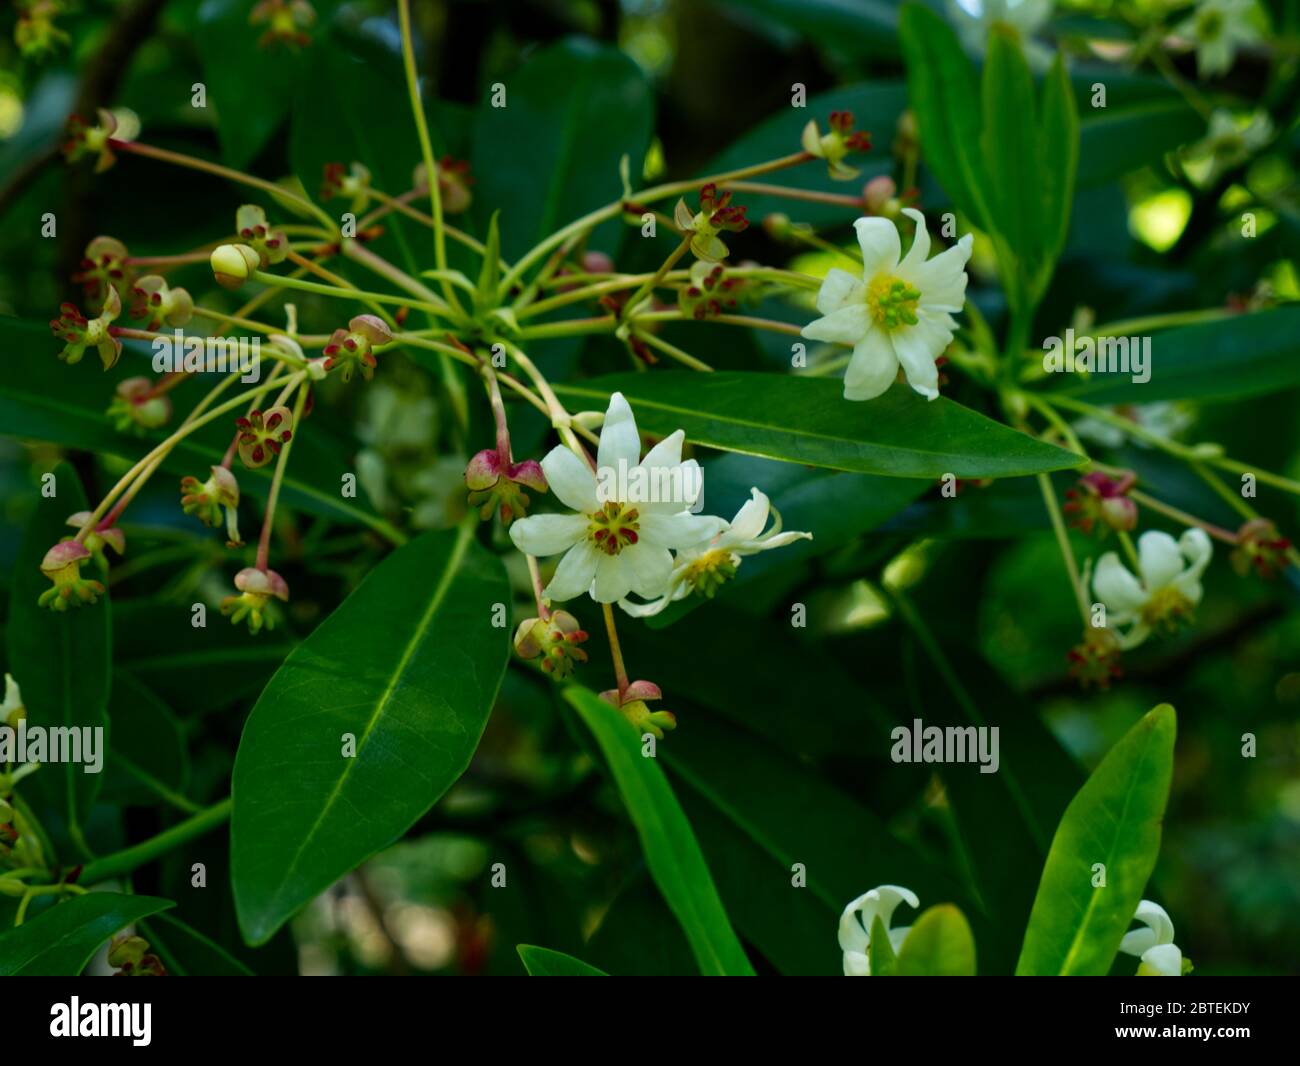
(644, 610)
(1165, 959)
(575, 573)
(548, 534)
(856, 964)
(914, 347)
(942, 280)
(920, 250)
(878, 239)
(680, 530)
(839, 288)
(667, 453)
(750, 520)
(1198, 549)
(848, 325)
(1118, 589)
(1138, 941)
(651, 568)
(614, 578)
(872, 368)
(619, 441)
(571, 480)
(1159, 559)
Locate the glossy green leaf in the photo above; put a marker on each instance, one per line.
(807, 420)
(552, 153)
(670, 847)
(1124, 136)
(59, 941)
(543, 962)
(186, 952)
(1059, 132)
(60, 659)
(1077, 921)
(408, 665)
(880, 951)
(1227, 359)
(939, 944)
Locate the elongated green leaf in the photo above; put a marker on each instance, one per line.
(939, 945)
(60, 941)
(1059, 130)
(1081, 913)
(807, 420)
(1122, 137)
(1220, 360)
(671, 851)
(543, 962)
(946, 101)
(408, 668)
(60, 659)
(1013, 156)
(881, 952)
(149, 758)
(188, 953)
(552, 153)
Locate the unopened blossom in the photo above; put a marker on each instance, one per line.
(716, 215)
(880, 197)
(62, 565)
(899, 313)
(12, 709)
(135, 408)
(252, 604)
(494, 481)
(632, 702)
(454, 180)
(262, 434)
(130, 956)
(1101, 502)
(1154, 945)
(208, 499)
(858, 918)
(286, 22)
(158, 303)
(102, 536)
(1095, 659)
(1260, 549)
(1219, 28)
(836, 144)
(554, 640)
(87, 140)
(80, 332)
(233, 264)
(613, 544)
(707, 568)
(352, 183)
(103, 266)
(271, 245)
(1164, 593)
(353, 348)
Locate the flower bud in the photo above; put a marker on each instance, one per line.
(233, 264)
(352, 348)
(86, 140)
(1101, 502)
(454, 180)
(208, 499)
(35, 33)
(271, 246)
(879, 196)
(261, 436)
(256, 589)
(286, 21)
(131, 957)
(495, 483)
(98, 539)
(155, 301)
(103, 267)
(353, 182)
(81, 333)
(633, 705)
(135, 410)
(1260, 548)
(555, 639)
(11, 712)
(62, 565)
(1095, 659)
(836, 145)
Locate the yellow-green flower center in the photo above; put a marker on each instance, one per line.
(614, 527)
(892, 302)
(711, 571)
(1167, 609)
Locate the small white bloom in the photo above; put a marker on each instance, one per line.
(1229, 143)
(1219, 27)
(1165, 419)
(860, 915)
(974, 18)
(1154, 945)
(13, 700)
(899, 312)
(706, 567)
(1166, 591)
(612, 545)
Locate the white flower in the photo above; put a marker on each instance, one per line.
(708, 566)
(857, 919)
(1168, 589)
(898, 313)
(974, 19)
(1218, 27)
(13, 700)
(1163, 419)
(1154, 945)
(1228, 142)
(614, 545)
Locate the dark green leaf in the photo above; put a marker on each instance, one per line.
(543, 962)
(883, 960)
(188, 953)
(149, 757)
(60, 941)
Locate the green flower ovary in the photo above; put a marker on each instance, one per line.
(711, 571)
(1167, 609)
(614, 527)
(892, 302)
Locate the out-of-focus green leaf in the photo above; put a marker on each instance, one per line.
(543, 962)
(186, 952)
(60, 941)
(148, 747)
(939, 944)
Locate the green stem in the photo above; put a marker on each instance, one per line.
(129, 859)
(1063, 541)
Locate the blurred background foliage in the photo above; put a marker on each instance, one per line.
(779, 758)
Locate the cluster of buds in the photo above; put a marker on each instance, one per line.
(633, 705)
(62, 565)
(1095, 659)
(1260, 548)
(286, 21)
(157, 302)
(1102, 503)
(271, 246)
(130, 957)
(263, 434)
(352, 348)
(87, 140)
(714, 216)
(256, 589)
(136, 409)
(104, 535)
(555, 640)
(709, 292)
(103, 267)
(233, 264)
(206, 501)
(454, 180)
(836, 145)
(496, 482)
(350, 182)
(79, 332)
